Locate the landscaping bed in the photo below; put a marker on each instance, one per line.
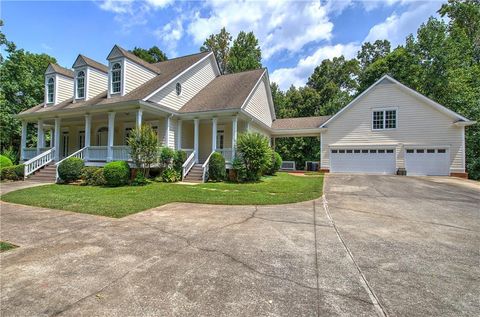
(121, 201)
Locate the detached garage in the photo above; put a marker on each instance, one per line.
(390, 127)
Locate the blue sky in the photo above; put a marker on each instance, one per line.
(295, 36)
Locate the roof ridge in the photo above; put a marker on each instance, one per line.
(179, 57)
(245, 71)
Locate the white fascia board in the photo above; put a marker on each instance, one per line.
(176, 77)
(464, 123)
(270, 98)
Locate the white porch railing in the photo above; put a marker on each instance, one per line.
(79, 154)
(29, 153)
(227, 154)
(39, 161)
(97, 153)
(121, 153)
(205, 167)
(188, 164)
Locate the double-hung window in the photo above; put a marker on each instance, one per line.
(116, 78)
(384, 119)
(50, 90)
(81, 84)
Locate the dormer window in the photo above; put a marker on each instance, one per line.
(116, 78)
(50, 90)
(81, 85)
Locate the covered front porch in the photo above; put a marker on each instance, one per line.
(101, 137)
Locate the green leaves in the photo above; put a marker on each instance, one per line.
(152, 55)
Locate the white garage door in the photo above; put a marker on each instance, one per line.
(371, 161)
(427, 161)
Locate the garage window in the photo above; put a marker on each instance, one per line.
(430, 150)
(389, 151)
(384, 119)
(410, 151)
(420, 151)
(441, 151)
(356, 151)
(364, 151)
(334, 151)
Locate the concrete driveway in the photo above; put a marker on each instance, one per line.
(396, 246)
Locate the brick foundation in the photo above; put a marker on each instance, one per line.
(461, 175)
(324, 170)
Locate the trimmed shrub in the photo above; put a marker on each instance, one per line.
(166, 156)
(216, 167)
(14, 172)
(275, 164)
(5, 161)
(116, 173)
(253, 156)
(170, 175)
(93, 176)
(179, 159)
(71, 169)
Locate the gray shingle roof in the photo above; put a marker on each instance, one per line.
(92, 63)
(299, 123)
(61, 70)
(138, 60)
(168, 70)
(224, 92)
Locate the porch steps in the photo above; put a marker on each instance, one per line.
(46, 174)
(195, 175)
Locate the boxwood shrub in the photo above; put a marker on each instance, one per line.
(216, 167)
(116, 173)
(275, 164)
(14, 172)
(93, 176)
(70, 169)
(5, 161)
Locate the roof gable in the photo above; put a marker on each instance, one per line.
(85, 61)
(118, 52)
(57, 69)
(389, 80)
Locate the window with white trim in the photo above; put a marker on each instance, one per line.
(50, 90)
(81, 84)
(384, 119)
(116, 78)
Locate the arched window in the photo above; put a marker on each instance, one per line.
(116, 78)
(178, 89)
(81, 84)
(50, 90)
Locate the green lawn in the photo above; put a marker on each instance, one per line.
(5, 246)
(122, 201)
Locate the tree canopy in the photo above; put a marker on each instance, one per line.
(151, 55)
(219, 44)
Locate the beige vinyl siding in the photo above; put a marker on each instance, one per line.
(192, 82)
(258, 105)
(172, 133)
(418, 123)
(135, 75)
(64, 88)
(255, 128)
(97, 82)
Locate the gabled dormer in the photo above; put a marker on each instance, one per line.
(91, 78)
(126, 72)
(58, 84)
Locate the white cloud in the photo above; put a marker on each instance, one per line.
(116, 6)
(279, 25)
(170, 34)
(298, 74)
(159, 3)
(396, 27)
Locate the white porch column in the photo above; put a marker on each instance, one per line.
(57, 139)
(23, 140)
(111, 134)
(214, 134)
(168, 124)
(40, 136)
(139, 118)
(179, 134)
(88, 134)
(234, 135)
(195, 138)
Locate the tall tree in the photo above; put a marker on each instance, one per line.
(245, 53)
(369, 52)
(22, 86)
(219, 44)
(152, 55)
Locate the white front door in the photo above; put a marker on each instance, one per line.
(427, 161)
(369, 161)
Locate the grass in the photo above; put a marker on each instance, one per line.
(5, 246)
(122, 201)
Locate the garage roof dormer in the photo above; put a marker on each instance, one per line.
(58, 84)
(126, 72)
(90, 78)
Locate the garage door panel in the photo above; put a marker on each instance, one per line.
(370, 161)
(427, 161)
